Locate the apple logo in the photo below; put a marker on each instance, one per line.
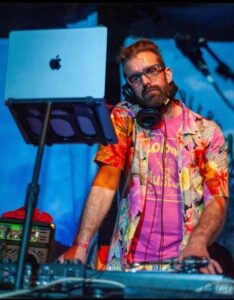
(55, 63)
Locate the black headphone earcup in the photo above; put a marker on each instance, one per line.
(128, 93)
(148, 118)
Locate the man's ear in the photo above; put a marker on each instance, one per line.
(168, 72)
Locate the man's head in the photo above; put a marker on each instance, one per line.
(145, 72)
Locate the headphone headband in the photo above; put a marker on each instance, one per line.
(149, 117)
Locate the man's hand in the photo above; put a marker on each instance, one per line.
(197, 249)
(98, 203)
(205, 233)
(74, 253)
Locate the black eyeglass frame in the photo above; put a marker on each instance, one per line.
(146, 72)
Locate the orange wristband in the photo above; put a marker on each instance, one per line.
(81, 244)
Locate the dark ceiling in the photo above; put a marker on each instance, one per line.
(212, 21)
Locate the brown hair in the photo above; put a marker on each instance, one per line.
(137, 47)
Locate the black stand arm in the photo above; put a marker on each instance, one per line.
(31, 203)
(222, 68)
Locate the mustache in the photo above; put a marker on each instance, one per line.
(148, 89)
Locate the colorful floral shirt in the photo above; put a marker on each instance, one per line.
(202, 165)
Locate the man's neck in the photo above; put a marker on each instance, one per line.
(173, 110)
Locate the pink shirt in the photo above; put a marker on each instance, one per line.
(162, 212)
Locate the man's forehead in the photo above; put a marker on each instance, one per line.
(140, 62)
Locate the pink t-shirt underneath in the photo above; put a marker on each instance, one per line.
(162, 215)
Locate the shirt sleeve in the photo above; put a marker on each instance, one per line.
(216, 166)
(116, 154)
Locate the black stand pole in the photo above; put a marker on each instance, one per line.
(31, 203)
(222, 69)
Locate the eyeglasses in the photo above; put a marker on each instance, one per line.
(151, 72)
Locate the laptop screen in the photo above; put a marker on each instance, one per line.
(56, 63)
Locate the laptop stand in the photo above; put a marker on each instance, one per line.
(48, 122)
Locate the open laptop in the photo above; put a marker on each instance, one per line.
(56, 63)
(61, 66)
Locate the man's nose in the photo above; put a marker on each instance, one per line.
(145, 80)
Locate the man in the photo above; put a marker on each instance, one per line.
(175, 196)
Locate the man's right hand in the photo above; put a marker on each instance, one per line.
(74, 253)
(97, 205)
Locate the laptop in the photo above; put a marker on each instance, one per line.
(56, 63)
(66, 67)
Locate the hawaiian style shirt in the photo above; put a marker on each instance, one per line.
(202, 165)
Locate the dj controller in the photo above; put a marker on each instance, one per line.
(45, 279)
(74, 280)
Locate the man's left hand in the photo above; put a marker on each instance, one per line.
(196, 249)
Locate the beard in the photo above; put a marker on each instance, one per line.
(153, 96)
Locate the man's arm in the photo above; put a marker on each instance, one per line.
(98, 204)
(206, 232)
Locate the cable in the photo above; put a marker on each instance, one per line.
(154, 214)
(163, 190)
(156, 200)
(59, 281)
(162, 201)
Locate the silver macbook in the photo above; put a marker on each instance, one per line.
(64, 67)
(56, 63)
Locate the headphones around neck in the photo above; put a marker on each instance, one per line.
(149, 117)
